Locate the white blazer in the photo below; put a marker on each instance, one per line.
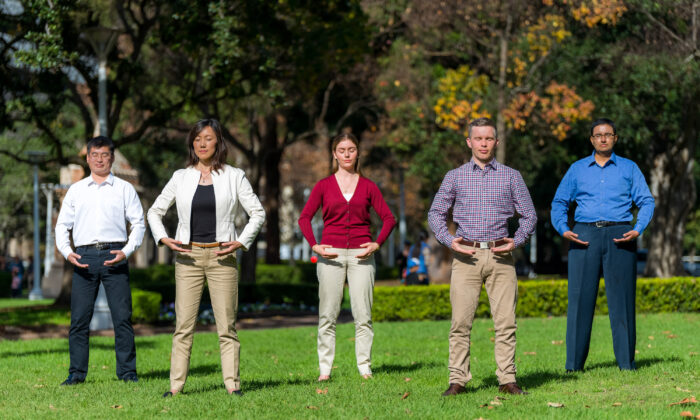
(231, 189)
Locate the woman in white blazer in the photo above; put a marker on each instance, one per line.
(207, 194)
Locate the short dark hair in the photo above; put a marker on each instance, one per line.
(603, 121)
(483, 122)
(100, 141)
(219, 158)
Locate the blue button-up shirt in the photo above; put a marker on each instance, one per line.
(603, 193)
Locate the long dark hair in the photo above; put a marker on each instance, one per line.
(336, 141)
(219, 158)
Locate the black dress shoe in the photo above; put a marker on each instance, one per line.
(71, 380)
(130, 377)
(168, 394)
(454, 389)
(237, 393)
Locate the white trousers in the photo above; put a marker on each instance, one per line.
(331, 278)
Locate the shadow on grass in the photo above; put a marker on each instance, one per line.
(250, 386)
(641, 363)
(197, 370)
(43, 352)
(531, 380)
(396, 368)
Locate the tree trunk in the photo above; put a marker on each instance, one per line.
(673, 186)
(502, 67)
(272, 155)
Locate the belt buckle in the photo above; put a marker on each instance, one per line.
(483, 245)
(600, 224)
(100, 246)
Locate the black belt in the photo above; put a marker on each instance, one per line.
(603, 223)
(103, 245)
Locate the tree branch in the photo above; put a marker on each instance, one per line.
(668, 30)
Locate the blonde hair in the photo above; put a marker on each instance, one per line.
(336, 141)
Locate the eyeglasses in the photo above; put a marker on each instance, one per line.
(104, 155)
(606, 135)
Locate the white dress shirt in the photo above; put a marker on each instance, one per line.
(231, 190)
(98, 213)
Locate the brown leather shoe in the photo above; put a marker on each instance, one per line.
(512, 388)
(454, 389)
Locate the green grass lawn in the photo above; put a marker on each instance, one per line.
(18, 303)
(279, 368)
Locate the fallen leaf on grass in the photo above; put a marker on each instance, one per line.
(681, 389)
(557, 342)
(52, 407)
(530, 353)
(671, 336)
(117, 406)
(499, 398)
(555, 404)
(686, 414)
(651, 337)
(496, 403)
(39, 386)
(667, 332)
(493, 339)
(322, 391)
(685, 401)
(405, 395)
(693, 353)
(617, 404)
(407, 379)
(312, 407)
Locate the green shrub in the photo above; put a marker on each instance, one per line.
(145, 305)
(5, 284)
(278, 273)
(535, 299)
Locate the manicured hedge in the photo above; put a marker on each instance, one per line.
(5, 284)
(145, 305)
(535, 299)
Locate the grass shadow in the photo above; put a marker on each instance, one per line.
(254, 385)
(165, 373)
(43, 352)
(531, 380)
(641, 363)
(397, 368)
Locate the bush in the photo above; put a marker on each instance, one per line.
(535, 299)
(278, 273)
(145, 306)
(5, 284)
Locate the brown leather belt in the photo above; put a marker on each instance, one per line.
(209, 245)
(485, 245)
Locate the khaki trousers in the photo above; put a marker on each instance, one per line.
(221, 274)
(331, 281)
(497, 273)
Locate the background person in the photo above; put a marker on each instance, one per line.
(417, 264)
(207, 194)
(605, 187)
(96, 209)
(346, 250)
(483, 194)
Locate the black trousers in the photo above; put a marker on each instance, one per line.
(618, 263)
(86, 282)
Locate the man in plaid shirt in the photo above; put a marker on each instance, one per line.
(483, 195)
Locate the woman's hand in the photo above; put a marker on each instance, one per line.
(174, 245)
(370, 248)
(321, 250)
(229, 247)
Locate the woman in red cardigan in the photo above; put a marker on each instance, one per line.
(346, 250)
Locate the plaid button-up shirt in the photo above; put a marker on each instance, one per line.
(482, 201)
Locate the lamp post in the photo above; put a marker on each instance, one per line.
(47, 189)
(35, 158)
(102, 40)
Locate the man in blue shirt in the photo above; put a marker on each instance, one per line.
(604, 186)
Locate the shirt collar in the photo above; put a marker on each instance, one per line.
(493, 164)
(109, 180)
(591, 159)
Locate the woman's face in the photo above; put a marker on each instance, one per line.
(346, 154)
(205, 144)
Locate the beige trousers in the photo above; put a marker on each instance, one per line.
(221, 274)
(497, 273)
(331, 281)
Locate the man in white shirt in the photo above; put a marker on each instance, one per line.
(96, 209)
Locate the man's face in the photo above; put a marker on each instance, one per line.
(100, 160)
(483, 143)
(603, 139)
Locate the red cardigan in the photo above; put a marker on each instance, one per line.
(346, 224)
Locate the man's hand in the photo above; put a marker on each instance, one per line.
(73, 259)
(321, 250)
(370, 248)
(627, 236)
(458, 247)
(118, 256)
(573, 237)
(229, 247)
(174, 245)
(504, 249)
